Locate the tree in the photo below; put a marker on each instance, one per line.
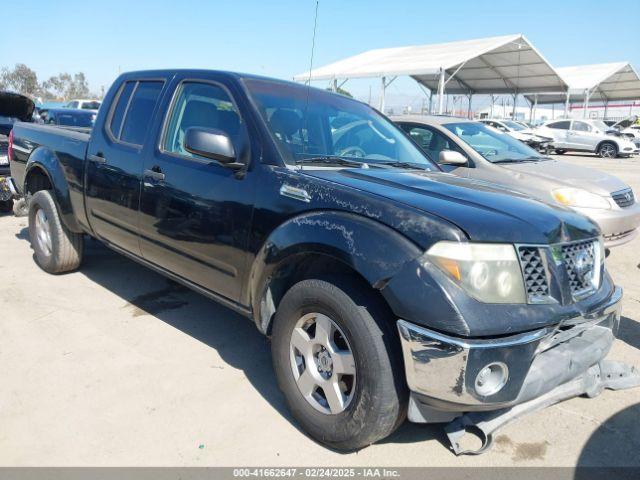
(66, 86)
(21, 79)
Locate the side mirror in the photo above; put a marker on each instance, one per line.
(211, 143)
(450, 157)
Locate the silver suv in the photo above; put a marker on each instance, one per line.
(472, 149)
(586, 136)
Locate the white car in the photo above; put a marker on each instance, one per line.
(587, 136)
(520, 132)
(84, 104)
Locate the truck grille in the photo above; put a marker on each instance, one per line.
(580, 263)
(577, 263)
(535, 273)
(624, 198)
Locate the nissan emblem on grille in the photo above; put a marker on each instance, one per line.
(583, 266)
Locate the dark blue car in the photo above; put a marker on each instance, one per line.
(70, 117)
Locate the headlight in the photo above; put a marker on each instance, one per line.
(488, 272)
(576, 197)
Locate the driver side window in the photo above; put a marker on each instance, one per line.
(581, 127)
(200, 105)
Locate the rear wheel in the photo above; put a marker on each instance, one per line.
(56, 248)
(337, 361)
(560, 151)
(607, 150)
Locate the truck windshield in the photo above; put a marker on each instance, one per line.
(495, 146)
(310, 124)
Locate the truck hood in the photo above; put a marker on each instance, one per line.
(483, 211)
(556, 174)
(16, 106)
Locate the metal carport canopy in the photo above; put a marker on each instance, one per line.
(506, 64)
(602, 82)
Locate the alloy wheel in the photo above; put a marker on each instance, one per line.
(43, 232)
(607, 151)
(322, 363)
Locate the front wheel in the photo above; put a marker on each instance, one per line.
(560, 151)
(337, 360)
(607, 150)
(56, 248)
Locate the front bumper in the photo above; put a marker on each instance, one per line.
(442, 371)
(618, 225)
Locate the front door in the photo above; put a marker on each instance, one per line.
(582, 136)
(195, 213)
(114, 164)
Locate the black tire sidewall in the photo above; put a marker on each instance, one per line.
(375, 407)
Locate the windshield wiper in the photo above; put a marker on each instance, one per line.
(399, 164)
(330, 160)
(519, 160)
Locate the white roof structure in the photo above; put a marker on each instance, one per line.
(506, 64)
(601, 82)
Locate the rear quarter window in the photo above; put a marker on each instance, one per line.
(133, 110)
(138, 117)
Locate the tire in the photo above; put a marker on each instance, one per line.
(560, 152)
(607, 150)
(6, 206)
(60, 250)
(377, 398)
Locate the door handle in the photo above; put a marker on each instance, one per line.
(154, 173)
(98, 158)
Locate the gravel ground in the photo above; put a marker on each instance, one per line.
(115, 365)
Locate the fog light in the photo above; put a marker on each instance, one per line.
(491, 379)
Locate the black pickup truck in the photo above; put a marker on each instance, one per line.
(387, 286)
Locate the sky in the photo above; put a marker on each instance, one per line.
(274, 38)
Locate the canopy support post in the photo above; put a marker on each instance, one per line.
(585, 107)
(441, 92)
(383, 87)
(566, 105)
(491, 107)
(469, 107)
(606, 108)
(335, 85)
(533, 110)
(515, 101)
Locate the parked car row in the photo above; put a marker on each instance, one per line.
(473, 150)
(389, 287)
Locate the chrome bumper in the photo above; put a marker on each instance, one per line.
(442, 371)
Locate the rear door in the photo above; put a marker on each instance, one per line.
(195, 213)
(558, 130)
(114, 163)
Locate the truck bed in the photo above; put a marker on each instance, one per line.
(68, 144)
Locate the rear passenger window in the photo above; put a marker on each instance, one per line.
(118, 113)
(138, 115)
(560, 125)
